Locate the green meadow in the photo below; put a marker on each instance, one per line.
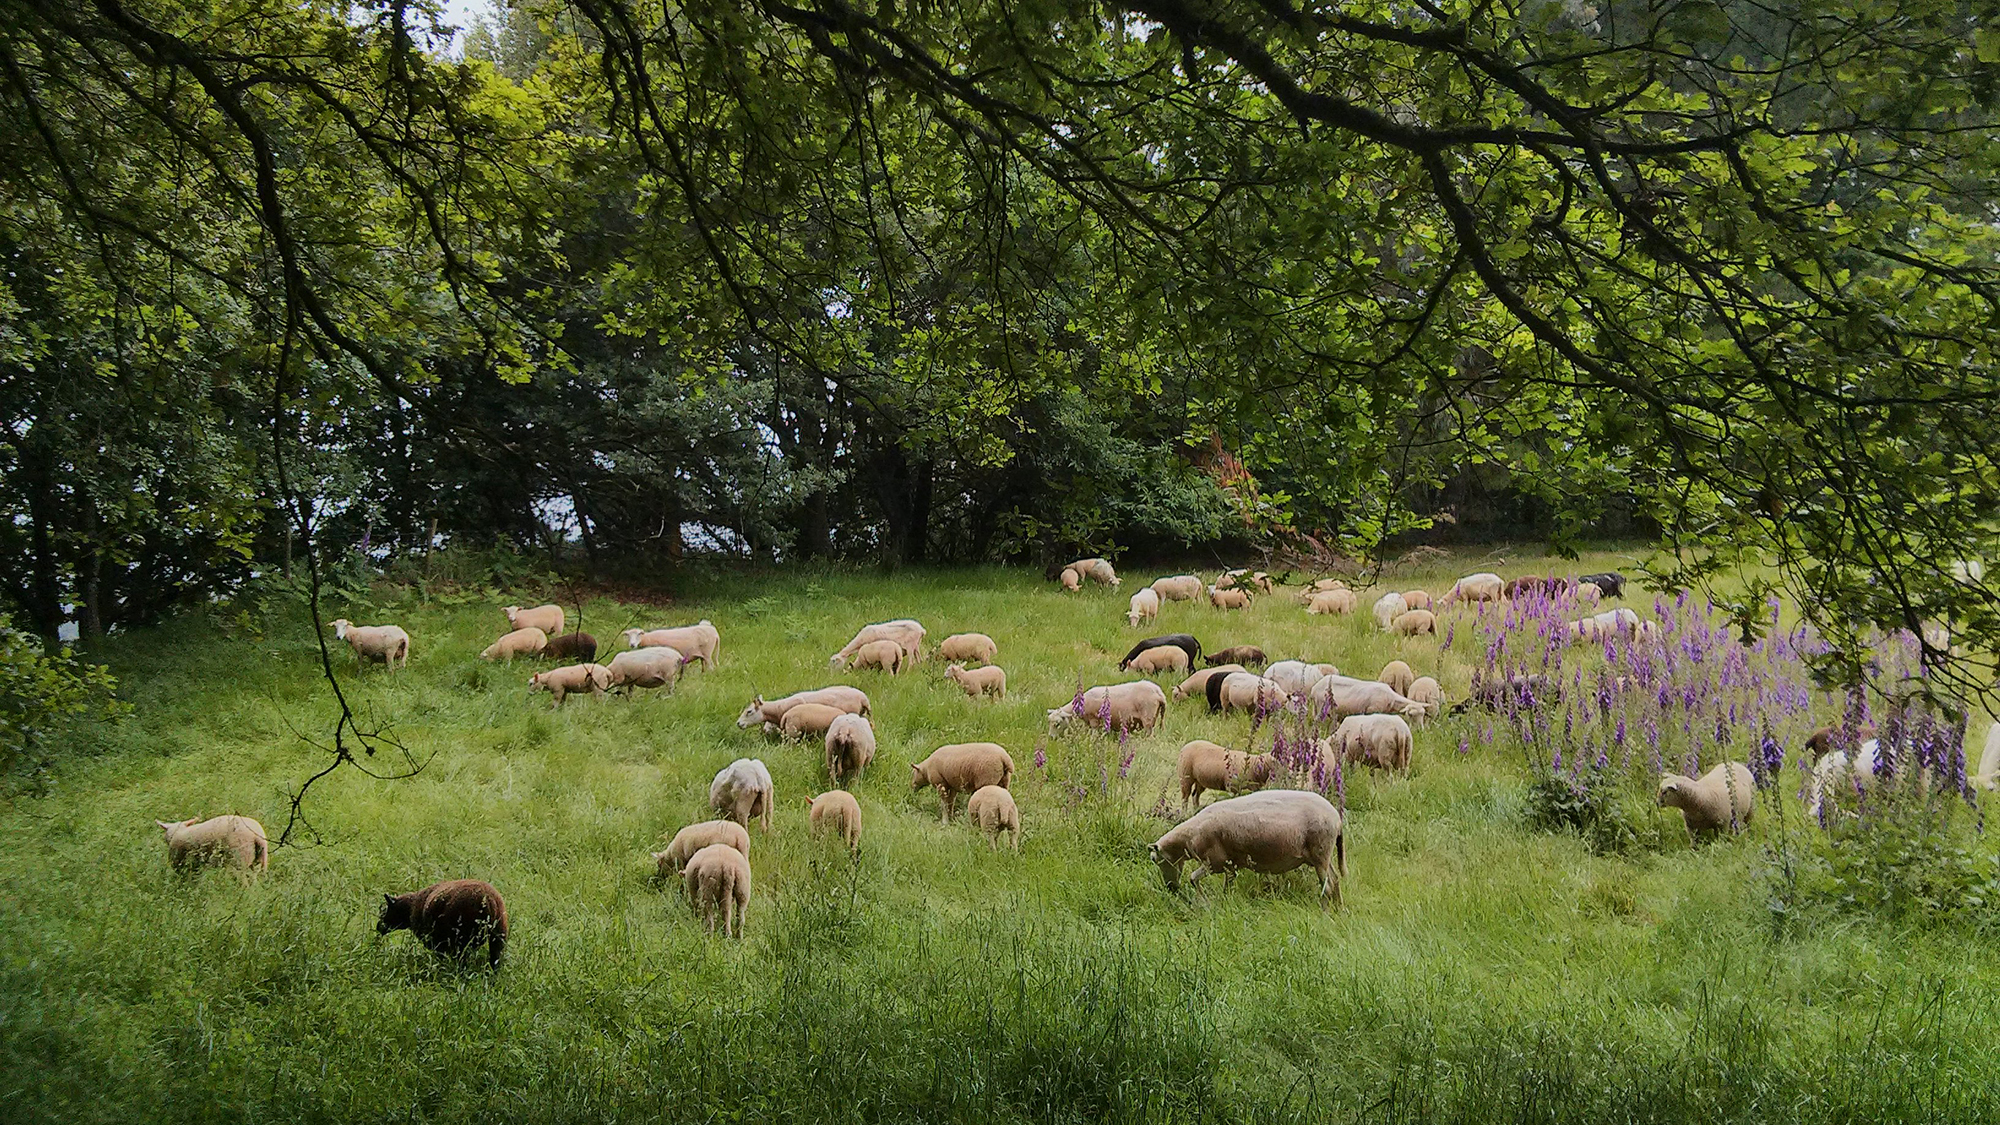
(1480, 970)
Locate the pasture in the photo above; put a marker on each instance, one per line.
(1480, 969)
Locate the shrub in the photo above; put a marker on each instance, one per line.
(43, 697)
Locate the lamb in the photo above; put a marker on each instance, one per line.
(547, 618)
(1245, 691)
(718, 881)
(1721, 801)
(697, 836)
(965, 767)
(1610, 584)
(1135, 705)
(742, 790)
(1841, 769)
(1250, 656)
(1482, 587)
(904, 631)
(1415, 623)
(1381, 741)
(1398, 675)
(837, 811)
(886, 655)
(1388, 607)
(1427, 691)
(1417, 599)
(1270, 832)
(699, 641)
(1344, 695)
(850, 746)
(807, 720)
(1296, 676)
(645, 668)
(570, 679)
(1097, 570)
(760, 711)
(1332, 602)
(222, 840)
(1178, 588)
(450, 918)
(1197, 684)
(1182, 641)
(993, 811)
(1205, 765)
(968, 648)
(520, 642)
(988, 680)
(1071, 580)
(1155, 660)
(1228, 599)
(1145, 606)
(374, 644)
(577, 647)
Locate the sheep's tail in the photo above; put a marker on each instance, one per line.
(1007, 774)
(261, 855)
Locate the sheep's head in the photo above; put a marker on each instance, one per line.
(535, 681)
(1170, 870)
(752, 714)
(340, 627)
(1058, 716)
(395, 914)
(917, 779)
(512, 612)
(1673, 791)
(167, 826)
(632, 637)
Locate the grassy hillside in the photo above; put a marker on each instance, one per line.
(1479, 971)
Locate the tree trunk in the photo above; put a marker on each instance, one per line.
(44, 602)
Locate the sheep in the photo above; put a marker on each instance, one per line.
(1521, 691)
(1415, 623)
(1097, 570)
(574, 647)
(570, 679)
(1155, 660)
(1988, 775)
(221, 840)
(718, 880)
(1183, 641)
(904, 631)
(761, 712)
(1722, 800)
(1856, 770)
(1344, 695)
(1611, 622)
(1322, 585)
(1135, 705)
(450, 918)
(742, 790)
(1398, 675)
(1205, 765)
(1144, 607)
(886, 655)
(988, 680)
(1197, 684)
(547, 618)
(1482, 587)
(699, 641)
(1332, 602)
(1229, 579)
(1245, 691)
(1071, 580)
(645, 668)
(813, 719)
(697, 836)
(1228, 599)
(964, 767)
(1271, 832)
(1532, 584)
(837, 811)
(1829, 738)
(993, 811)
(1417, 599)
(1296, 676)
(1250, 656)
(1610, 584)
(1178, 587)
(968, 648)
(374, 644)
(1427, 691)
(850, 746)
(1388, 607)
(520, 642)
(1382, 741)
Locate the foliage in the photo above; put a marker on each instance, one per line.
(43, 698)
(1589, 803)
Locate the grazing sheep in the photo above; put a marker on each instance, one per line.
(1261, 582)
(1071, 580)
(1388, 607)
(645, 668)
(1483, 587)
(1157, 660)
(1610, 623)
(570, 679)
(1321, 585)
(1610, 584)
(1245, 691)
(574, 647)
(993, 811)
(1097, 570)
(547, 618)
(1228, 599)
(1145, 606)
(1721, 801)
(964, 767)
(850, 746)
(1270, 832)
(1182, 641)
(968, 648)
(989, 680)
(699, 641)
(697, 836)
(1841, 770)
(1427, 691)
(1343, 695)
(1178, 588)
(1381, 741)
(1197, 684)
(807, 720)
(1586, 594)
(743, 790)
(1988, 775)
(1532, 584)
(1333, 602)
(222, 840)
(718, 881)
(520, 642)
(451, 918)
(1250, 656)
(1398, 675)
(1136, 705)
(904, 631)
(836, 811)
(1828, 738)
(1207, 766)
(1415, 623)
(1520, 691)
(886, 655)
(1230, 579)
(374, 644)
(1296, 676)
(1417, 599)
(762, 712)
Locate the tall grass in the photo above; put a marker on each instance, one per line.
(1480, 970)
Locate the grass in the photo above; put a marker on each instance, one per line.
(1479, 972)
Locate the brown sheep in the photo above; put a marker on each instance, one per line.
(718, 881)
(1207, 766)
(1250, 656)
(837, 811)
(579, 648)
(965, 767)
(450, 918)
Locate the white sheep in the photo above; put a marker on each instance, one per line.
(547, 618)
(1165, 658)
(1398, 675)
(850, 746)
(700, 641)
(837, 811)
(570, 679)
(988, 680)
(1270, 832)
(645, 668)
(1839, 769)
(1296, 676)
(965, 767)
(222, 840)
(1222, 598)
(1388, 607)
(1071, 580)
(1722, 800)
(1246, 691)
(1414, 623)
(769, 713)
(905, 631)
(1332, 602)
(1988, 776)
(1381, 741)
(1344, 695)
(1427, 691)
(1482, 587)
(1197, 684)
(1204, 765)
(1145, 607)
(968, 648)
(374, 644)
(742, 791)
(520, 642)
(1134, 705)
(717, 879)
(1178, 587)
(697, 836)
(1097, 570)
(886, 655)
(993, 811)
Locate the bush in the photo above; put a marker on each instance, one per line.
(1897, 859)
(1586, 802)
(43, 697)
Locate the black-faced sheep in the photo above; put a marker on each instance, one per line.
(450, 918)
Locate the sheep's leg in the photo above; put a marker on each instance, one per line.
(950, 799)
(1014, 837)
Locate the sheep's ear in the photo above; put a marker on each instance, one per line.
(167, 825)
(388, 898)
